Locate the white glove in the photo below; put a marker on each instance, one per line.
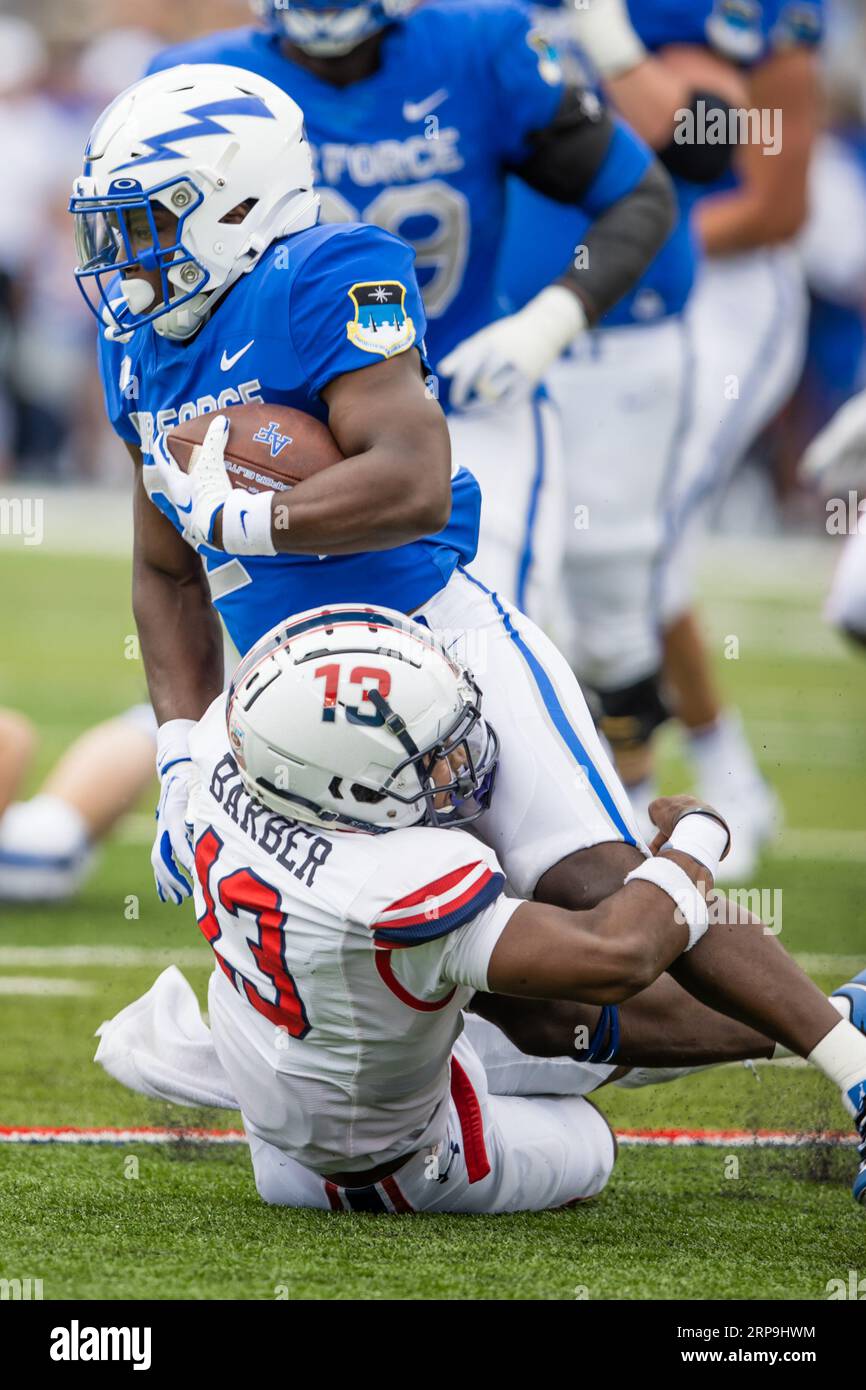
(836, 458)
(604, 31)
(210, 487)
(508, 358)
(200, 495)
(172, 848)
(162, 475)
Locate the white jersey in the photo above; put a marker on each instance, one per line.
(344, 962)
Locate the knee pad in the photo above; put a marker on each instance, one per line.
(630, 715)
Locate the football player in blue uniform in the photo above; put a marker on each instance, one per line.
(624, 394)
(748, 319)
(415, 116)
(213, 284)
(665, 372)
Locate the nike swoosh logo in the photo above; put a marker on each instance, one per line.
(186, 510)
(417, 110)
(243, 523)
(227, 362)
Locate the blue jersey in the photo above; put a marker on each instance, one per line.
(554, 231)
(287, 328)
(422, 147)
(744, 32)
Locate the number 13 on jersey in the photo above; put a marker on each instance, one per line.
(242, 890)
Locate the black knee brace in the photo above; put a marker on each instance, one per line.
(631, 714)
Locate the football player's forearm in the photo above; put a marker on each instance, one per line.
(368, 502)
(740, 221)
(771, 204)
(601, 956)
(181, 643)
(622, 242)
(648, 97)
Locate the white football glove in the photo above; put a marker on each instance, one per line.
(605, 32)
(836, 458)
(505, 361)
(200, 495)
(172, 848)
(210, 487)
(162, 476)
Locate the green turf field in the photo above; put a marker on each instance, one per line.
(186, 1222)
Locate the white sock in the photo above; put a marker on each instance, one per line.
(841, 1056)
(45, 824)
(839, 1002)
(721, 752)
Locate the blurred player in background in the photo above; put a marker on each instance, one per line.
(748, 320)
(416, 116)
(625, 391)
(47, 842)
(687, 380)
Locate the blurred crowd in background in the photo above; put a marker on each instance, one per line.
(61, 63)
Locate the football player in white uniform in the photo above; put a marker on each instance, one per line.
(47, 842)
(350, 932)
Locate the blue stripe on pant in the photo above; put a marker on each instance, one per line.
(526, 556)
(558, 716)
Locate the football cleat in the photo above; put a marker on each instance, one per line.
(855, 993)
(857, 1098)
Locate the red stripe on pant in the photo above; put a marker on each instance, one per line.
(332, 1192)
(398, 1201)
(468, 1110)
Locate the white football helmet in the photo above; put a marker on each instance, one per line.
(338, 716)
(198, 140)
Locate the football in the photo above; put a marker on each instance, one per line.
(270, 447)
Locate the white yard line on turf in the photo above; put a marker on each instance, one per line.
(42, 985)
(28, 956)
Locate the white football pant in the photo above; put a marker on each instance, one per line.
(497, 1153)
(515, 453)
(624, 397)
(556, 790)
(747, 318)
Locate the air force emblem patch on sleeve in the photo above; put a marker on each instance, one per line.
(381, 324)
